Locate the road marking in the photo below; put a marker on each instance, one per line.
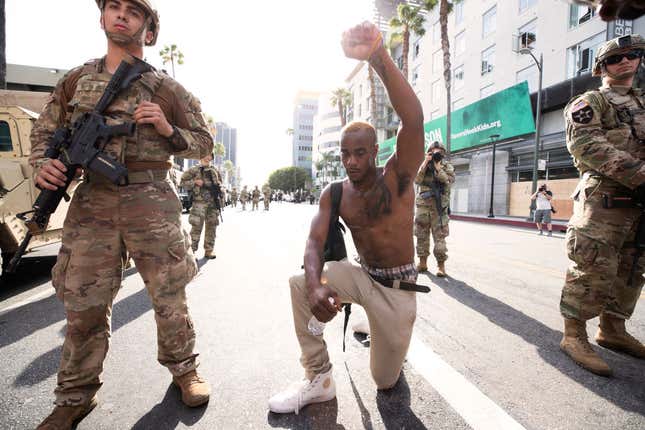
(479, 411)
(48, 292)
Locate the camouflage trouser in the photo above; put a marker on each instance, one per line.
(600, 246)
(243, 204)
(200, 214)
(103, 225)
(426, 221)
(234, 202)
(255, 204)
(266, 203)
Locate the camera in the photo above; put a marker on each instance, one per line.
(542, 188)
(437, 156)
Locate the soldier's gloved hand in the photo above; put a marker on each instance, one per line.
(199, 182)
(151, 113)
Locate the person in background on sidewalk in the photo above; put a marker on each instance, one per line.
(377, 205)
(543, 209)
(605, 129)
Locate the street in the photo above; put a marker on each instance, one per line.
(484, 354)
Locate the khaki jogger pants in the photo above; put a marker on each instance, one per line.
(391, 314)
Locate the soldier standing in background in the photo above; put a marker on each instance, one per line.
(234, 197)
(141, 217)
(605, 133)
(256, 198)
(266, 190)
(244, 197)
(203, 181)
(434, 179)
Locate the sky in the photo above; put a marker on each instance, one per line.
(244, 59)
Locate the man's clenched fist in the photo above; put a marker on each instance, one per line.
(361, 41)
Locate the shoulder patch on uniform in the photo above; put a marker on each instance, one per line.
(582, 112)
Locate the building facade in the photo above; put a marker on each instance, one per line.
(326, 166)
(305, 109)
(490, 41)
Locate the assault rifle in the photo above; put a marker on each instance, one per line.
(437, 188)
(216, 192)
(83, 146)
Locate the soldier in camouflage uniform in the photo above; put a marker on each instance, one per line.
(256, 198)
(234, 197)
(244, 197)
(199, 180)
(433, 198)
(139, 218)
(266, 191)
(605, 136)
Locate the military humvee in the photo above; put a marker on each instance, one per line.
(17, 189)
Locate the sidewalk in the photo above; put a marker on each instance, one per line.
(558, 225)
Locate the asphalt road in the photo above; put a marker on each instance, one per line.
(485, 351)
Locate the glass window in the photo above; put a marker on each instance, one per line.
(457, 104)
(436, 91)
(416, 48)
(580, 14)
(434, 114)
(526, 4)
(460, 43)
(415, 75)
(437, 61)
(528, 35)
(5, 137)
(459, 77)
(486, 91)
(529, 75)
(436, 32)
(459, 12)
(580, 57)
(488, 60)
(489, 22)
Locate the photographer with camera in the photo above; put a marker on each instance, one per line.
(543, 209)
(433, 200)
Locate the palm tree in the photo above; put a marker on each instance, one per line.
(3, 40)
(170, 54)
(409, 19)
(445, 7)
(229, 168)
(343, 100)
(289, 132)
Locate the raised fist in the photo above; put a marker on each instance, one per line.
(361, 41)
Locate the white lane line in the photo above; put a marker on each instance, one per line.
(480, 412)
(48, 292)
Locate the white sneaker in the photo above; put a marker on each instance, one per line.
(321, 389)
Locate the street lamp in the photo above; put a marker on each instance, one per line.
(538, 112)
(493, 139)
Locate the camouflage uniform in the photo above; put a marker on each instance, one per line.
(256, 199)
(429, 218)
(203, 210)
(605, 132)
(244, 197)
(234, 197)
(266, 190)
(105, 222)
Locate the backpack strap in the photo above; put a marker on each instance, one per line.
(336, 196)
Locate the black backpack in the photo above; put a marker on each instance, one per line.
(335, 244)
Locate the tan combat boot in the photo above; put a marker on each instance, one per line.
(209, 255)
(65, 417)
(423, 264)
(195, 391)
(441, 270)
(612, 334)
(575, 344)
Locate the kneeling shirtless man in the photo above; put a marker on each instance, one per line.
(378, 207)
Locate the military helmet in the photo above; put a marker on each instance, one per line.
(615, 46)
(436, 144)
(150, 10)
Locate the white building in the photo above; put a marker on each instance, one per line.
(485, 39)
(326, 141)
(305, 108)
